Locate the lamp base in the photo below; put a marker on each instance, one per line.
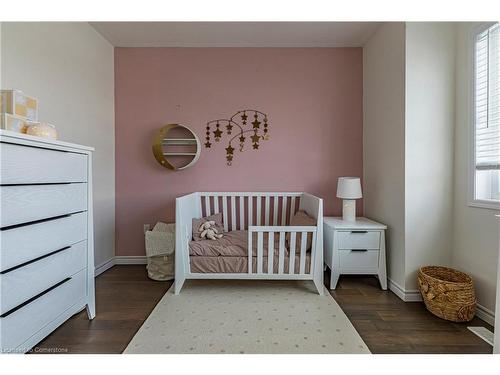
(349, 210)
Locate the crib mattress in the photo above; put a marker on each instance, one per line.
(239, 264)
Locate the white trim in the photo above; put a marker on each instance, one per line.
(405, 295)
(485, 314)
(128, 260)
(120, 260)
(470, 108)
(104, 266)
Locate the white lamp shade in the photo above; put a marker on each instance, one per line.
(349, 188)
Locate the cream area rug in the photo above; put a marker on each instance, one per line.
(246, 316)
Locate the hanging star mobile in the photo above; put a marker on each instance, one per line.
(239, 120)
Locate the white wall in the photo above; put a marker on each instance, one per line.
(69, 67)
(429, 129)
(384, 139)
(475, 229)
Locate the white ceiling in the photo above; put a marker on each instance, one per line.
(236, 34)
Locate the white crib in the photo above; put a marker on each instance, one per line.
(248, 211)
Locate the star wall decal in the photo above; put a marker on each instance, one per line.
(239, 125)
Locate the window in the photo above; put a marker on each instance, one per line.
(487, 116)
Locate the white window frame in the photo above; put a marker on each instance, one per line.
(473, 202)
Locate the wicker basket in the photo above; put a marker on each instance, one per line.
(447, 293)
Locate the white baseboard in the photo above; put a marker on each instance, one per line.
(485, 314)
(124, 260)
(104, 266)
(405, 295)
(119, 260)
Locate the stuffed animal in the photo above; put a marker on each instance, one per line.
(209, 231)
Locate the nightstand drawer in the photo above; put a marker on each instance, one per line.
(359, 240)
(360, 260)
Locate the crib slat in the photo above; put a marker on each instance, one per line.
(207, 205)
(270, 253)
(250, 265)
(233, 212)
(291, 268)
(281, 255)
(216, 204)
(275, 211)
(224, 213)
(242, 213)
(283, 210)
(259, 208)
(292, 209)
(250, 209)
(260, 250)
(266, 216)
(313, 253)
(303, 244)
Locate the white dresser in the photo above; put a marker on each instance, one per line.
(46, 237)
(356, 247)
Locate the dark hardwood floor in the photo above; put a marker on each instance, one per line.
(125, 297)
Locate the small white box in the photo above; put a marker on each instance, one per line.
(13, 123)
(17, 103)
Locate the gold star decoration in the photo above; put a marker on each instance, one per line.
(229, 150)
(256, 124)
(244, 116)
(242, 139)
(255, 138)
(229, 127)
(208, 144)
(217, 133)
(255, 146)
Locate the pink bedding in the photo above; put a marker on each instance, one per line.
(233, 244)
(230, 254)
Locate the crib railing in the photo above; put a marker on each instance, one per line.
(241, 210)
(269, 231)
(267, 217)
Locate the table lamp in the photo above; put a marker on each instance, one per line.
(349, 189)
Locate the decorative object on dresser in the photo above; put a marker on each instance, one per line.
(42, 129)
(355, 247)
(239, 120)
(13, 123)
(349, 189)
(47, 256)
(17, 103)
(176, 147)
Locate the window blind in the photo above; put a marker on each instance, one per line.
(487, 99)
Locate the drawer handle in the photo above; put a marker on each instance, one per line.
(34, 260)
(14, 226)
(6, 314)
(359, 231)
(360, 250)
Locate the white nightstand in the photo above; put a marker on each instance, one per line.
(354, 248)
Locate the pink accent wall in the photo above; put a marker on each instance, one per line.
(313, 97)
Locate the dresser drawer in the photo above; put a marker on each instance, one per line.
(26, 203)
(25, 243)
(359, 240)
(20, 284)
(360, 260)
(19, 325)
(24, 165)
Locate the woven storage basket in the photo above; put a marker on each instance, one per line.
(447, 293)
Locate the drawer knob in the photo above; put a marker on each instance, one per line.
(359, 231)
(359, 250)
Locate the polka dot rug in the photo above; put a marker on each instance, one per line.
(247, 316)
